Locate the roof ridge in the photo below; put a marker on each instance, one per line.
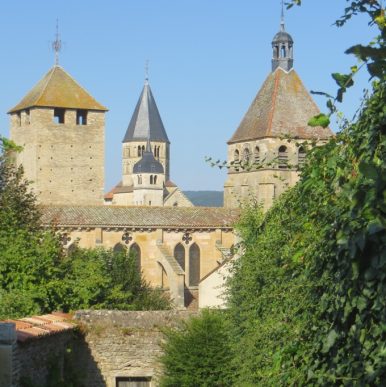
(46, 84)
(78, 84)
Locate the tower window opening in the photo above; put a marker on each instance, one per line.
(282, 52)
(301, 156)
(139, 151)
(142, 150)
(246, 156)
(81, 117)
(155, 179)
(139, 179)
(59, 116)
(257, 155)
(236, 159)
(283, 157)
(276, 52)
(151, 179)
(27, 117)
(18, 119)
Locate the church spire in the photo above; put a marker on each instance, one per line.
(282, 29)
(282, 45)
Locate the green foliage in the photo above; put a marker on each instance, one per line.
(197, 354)
(37, 277)
(103, 279)
(308, 295)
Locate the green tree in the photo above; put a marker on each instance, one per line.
(37, 277)
(197, 354)
(307, 299)
(29, 255)
(104, 279)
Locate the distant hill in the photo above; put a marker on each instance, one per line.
(206, 198)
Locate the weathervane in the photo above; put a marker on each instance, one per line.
(57, 43)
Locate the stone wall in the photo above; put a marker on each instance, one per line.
(105, 346)
(64, 162)
(124, 344)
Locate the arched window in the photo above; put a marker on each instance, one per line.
(179, 255)
(194, 265)
(257, 155)
(143, 150)
(283, 157)
(151, 179)
(301, 156)
(282, 52)
(236, 159)
(155, 179)
(246, 156)
(136, 250)
(139, 177)
(119, 248)
(139, 151)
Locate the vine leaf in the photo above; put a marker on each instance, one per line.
(319, 120)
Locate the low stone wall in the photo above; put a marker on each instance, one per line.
(103, 347)
(124, 344)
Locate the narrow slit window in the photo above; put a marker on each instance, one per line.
(81, 117)
(283, 157)
(59, 116)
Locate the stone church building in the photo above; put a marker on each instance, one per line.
(181, 248)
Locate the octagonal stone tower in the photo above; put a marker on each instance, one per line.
(61, 129)
(263, 163)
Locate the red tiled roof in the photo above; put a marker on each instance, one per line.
(139, 217)
(36, 326)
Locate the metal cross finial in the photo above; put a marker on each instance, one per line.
(57, 43)
(147, 71)
(282, 16)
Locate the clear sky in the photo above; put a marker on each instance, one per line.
(207, 61)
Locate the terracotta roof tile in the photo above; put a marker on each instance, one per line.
(36, 326)
(149, 217)
(282, 107)
(58, 89)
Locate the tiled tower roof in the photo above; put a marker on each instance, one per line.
(58, 89)
(146, 121)
(282, 107)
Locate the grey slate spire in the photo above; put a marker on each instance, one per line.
(146, 121)
(282, 45)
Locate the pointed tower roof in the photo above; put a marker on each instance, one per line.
(146, 121)
(282, 107)
(58, 89)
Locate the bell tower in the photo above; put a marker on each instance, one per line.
(262, 163)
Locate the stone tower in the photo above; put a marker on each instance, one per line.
(148, 180)
(263, 163)
(145, 123)
(61, 129)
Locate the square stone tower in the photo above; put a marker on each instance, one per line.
(61, 129)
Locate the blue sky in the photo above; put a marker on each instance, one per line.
(207, 61)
